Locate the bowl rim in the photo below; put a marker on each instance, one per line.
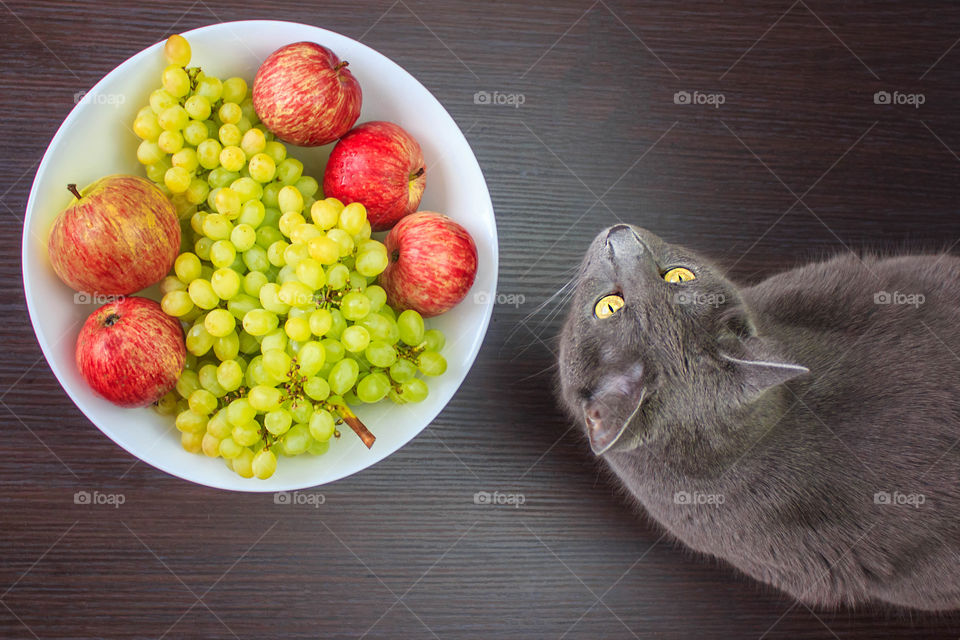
(46, 347)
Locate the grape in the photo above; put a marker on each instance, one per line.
(354, 306)
(232, 157)
(343, 239)
(160, 100)
(227, 347)
(171, 283)
(277, 421)
(230, 377)
(219, 323)
(208, 380)
(343, 375)
(411, 327)
(247, 188)
(301, 410)
(374, 387)
(298, 329)
(432, 363)
(371, 263)
(275, 340)
(225, 282)
(355, 338)
(202, 402)
(261, 165)
(208, 154)
(176, 50)
(275, 150)
(414, 390)
(434, 340)
(146, 126)
(192, 442)
(311, 358)
(259, 322)
(234, 90)
(289, 171)
(198, 191)
(246, 343)
(176, 303)
(222, 253)
(198, 108)
(322, 425)
(202, 294)
(352, 218)
(246, 434)
(403, 371)
(289, 198)
(380, 354)
(377, 296)
(149, 152)
(230, 113)
(167, 405)
(276, 363)
(252, 282)
(195, 132)
(264, 398)
(297, 440)
(210, 88)
(256, 259)
(318, 448)
(254, 142)
(240, 412)
(320, 322)
(229, 448)
(170, 142)
(264, 464)
(210, 445)
(337, 324)
(337, 276)
(198, 340)
(316, 388)
(243, 463)
(173, 118)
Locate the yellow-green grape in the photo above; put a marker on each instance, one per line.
(222, 253)
(252, 282)
(297, 440)
(232, 158)
(373, 387)
(355, 338)
(294, 254)
(311, 357)
(270, 192)
(177, 179)
(343, 239)
(230, 377)
(289, 221)
(210, 88)
(176, 50)
(264, 464)
(146, 126)
(202, 402)
(307, 185)
(276, 363)
(230, 113)
(254, 142)
(190, 422)
(411, 327)
(380, 354)
(324, 250)
(352, 218)
(261, 166)
(243, 236)
(252, 213)
(256, 259)
(215, 225)
(247, 188)
(277, 421)
(227, 347)
(230, 135)
(276, 340)
(171, 283)
(198, 191)
(198, 340)
(264, 398)
(187, 267)
(167, 405)
(198, 108)
(333, 349)
(195, 132)
(175, 81)
(295, 294)
(210, 445)
(275, 253)
(325, 213)
(259, 322)
(371, 263)
(176, 303)
(173, 118)
(354, 305)
(240, 412)
(185, 158)
(316, 388)
(275, 150)
(320, 322)
(230, 449)
(234, 90)
(403, 371)
(298, 329)
(247, 344)
(241, 304)
(357, 282)
(202, 247)
(219, 323)
(170, 141)
(208, 153)
(219, 426)
(289, 198)
(432, 363)
(377, 297)
(414, 390)
(187, 383)
(149, 152)
(208, 380)
(310, 272)
(343, 375)
(434, 340)
(304, 233)
(243, 463)
(161, 100)
(220, 177)
(244, 125)
(203, 294)
(322, 425)
(157, 170)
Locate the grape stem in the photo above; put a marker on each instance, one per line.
(354, 423)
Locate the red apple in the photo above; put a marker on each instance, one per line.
(131, 352)
(432, 264)
(305, 95)
(119, 236)
(381, 166)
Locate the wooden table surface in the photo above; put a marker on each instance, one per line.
(799, 161)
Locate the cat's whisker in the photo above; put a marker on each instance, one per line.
(553, 365)
(539, 308)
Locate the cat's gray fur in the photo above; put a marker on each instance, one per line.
(801, 403)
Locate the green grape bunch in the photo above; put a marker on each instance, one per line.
(285, 326)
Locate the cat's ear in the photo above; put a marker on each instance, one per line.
(755, 360)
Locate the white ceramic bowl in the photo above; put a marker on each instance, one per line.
(96, 140)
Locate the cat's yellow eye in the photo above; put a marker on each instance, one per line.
(678, 275)
(608, 305)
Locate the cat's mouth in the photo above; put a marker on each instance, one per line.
(612, 407)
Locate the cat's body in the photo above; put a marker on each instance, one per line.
(840, 484)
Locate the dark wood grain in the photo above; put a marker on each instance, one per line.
(797, 163)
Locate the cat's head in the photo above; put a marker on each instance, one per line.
(656, 338)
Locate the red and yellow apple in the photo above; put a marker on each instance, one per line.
(131, 352)
(120, 235)
(305, 94)
(381, 166)
(432, 264)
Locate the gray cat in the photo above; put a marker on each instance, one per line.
(804, 429)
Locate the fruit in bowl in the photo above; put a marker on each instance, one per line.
(118, 236)
(255, 306)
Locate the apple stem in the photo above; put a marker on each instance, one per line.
(341, 65)
(418, 173)
(72, 188)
